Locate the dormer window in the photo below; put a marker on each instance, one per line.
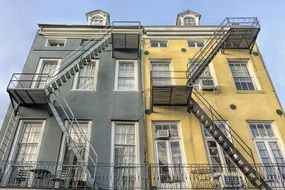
(97, 20)
(188, 18)
(189, 21)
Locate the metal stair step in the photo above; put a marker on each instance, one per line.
(59, 83)
(63, 78)
(76, 68)
(67, 74)
(72, 71)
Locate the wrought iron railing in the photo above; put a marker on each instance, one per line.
(131, 176)
(29, 80)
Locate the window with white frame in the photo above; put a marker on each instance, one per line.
(206, 80)
(161, 72)
(86, 78)
(126, 75)
(125, 155)
(168, 152)
(79, 140)
(241, 75)
(216, 154)
(97, 20)
(158, 43)
(189, 21)
(270, 152)
(196, 43)
(67, 156)
(221, 162)
(55, 42)
(46, 70)
(26, 150)
(28, 143)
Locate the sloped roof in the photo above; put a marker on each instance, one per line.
(97, 11)
(187, 12)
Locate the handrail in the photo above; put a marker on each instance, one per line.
(81, 50)
(218, 118)
(75, 121)
(218, 37)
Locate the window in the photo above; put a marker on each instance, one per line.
(189, 21)
(241, 75)
(29, 140)
(55, 43)
(216, 154)
(125, 155)
(126, 75)
(161, 74)
(159, 43)
(206, 80)
(67, 156)
(270, 152)
(47, 69)
(196, 43)
(169, 157)
(220, 161)
(86, 78)
(97, 20)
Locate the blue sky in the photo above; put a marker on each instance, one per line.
(19, 19)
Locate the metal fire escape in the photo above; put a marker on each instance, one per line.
(233, 33)
(49, 93)
(28, 89)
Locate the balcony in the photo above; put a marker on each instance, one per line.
(243, 33)
(168, 88)
(28, 88)
(204, 176)
(126, 39)
(46, 175)
(43, 175)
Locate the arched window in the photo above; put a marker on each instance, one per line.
(97, 20)
(189, 21)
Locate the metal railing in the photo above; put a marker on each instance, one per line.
(206, 53)
(219, 120)
(132, 176)
(28, 80)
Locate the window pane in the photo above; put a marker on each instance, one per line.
(161, 73)
(241, 75)
(28, 143)
(126, 75)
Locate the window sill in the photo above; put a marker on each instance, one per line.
(82, 90)
(126, 90)
(250, 92)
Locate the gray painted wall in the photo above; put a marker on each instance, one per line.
(101, 106)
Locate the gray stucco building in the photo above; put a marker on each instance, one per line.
(77, 113)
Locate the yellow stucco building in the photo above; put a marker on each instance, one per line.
(227, 79)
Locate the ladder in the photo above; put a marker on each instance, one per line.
(205, 113)
(8, 135)
(70, 65)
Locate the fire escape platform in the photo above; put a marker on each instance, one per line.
(126, 38)
(28, 88)
(169, 95)
(242, 37)
(28, 96)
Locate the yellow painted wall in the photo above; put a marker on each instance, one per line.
(251, 105)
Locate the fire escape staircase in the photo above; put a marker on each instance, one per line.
(233, 33)
(50, 94)
(75, 136)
